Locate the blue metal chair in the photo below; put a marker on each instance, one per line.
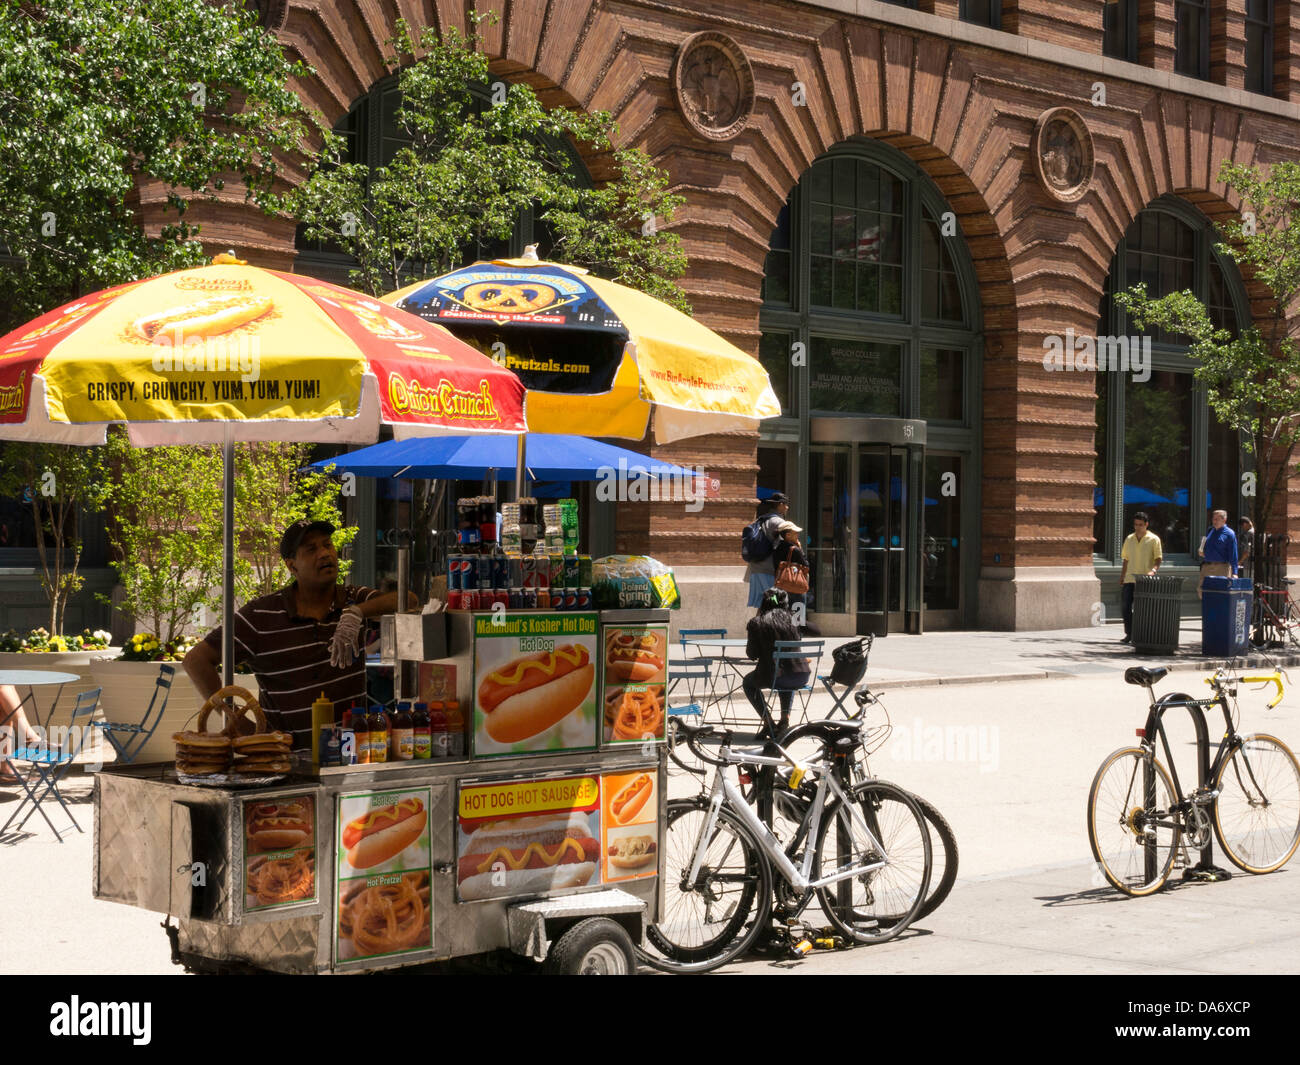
(788, 651)
(49, 765)
(129, 740)
(695, 675)
(720, 665)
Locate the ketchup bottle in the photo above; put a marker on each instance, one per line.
(438, 730)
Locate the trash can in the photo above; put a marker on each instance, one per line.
(1157, 608)
(1225, 616)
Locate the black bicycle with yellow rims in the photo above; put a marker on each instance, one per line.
(1140, 821)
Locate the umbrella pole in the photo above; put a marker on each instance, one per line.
(521, 457)
(228, 562)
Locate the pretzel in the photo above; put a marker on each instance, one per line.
(640, 715)
(386, 918)
(282, 879)
(511, 299)
(233, 712)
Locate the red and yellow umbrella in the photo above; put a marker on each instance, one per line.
(232, 351)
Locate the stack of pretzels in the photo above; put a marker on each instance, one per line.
(231, 752)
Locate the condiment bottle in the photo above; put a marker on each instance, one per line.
(322, 716)
(401, 737)
(438, 729)
(455, 730)
(420, 729)
(378, 735)
(360, 737)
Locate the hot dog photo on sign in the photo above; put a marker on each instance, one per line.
(535, 693)
(537, 836)
(384, 874)
(631, 814)
(636, 664)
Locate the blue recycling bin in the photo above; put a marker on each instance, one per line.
(1225, 616)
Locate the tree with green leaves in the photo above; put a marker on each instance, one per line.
(101, 100)
(1251, 376)
(165, 531)
(60, 482)
(272, 490)
(473, 165)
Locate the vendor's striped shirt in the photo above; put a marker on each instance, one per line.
(290, 655)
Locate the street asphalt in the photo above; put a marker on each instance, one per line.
(1001, 731)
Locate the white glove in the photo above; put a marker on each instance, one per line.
(343, 648)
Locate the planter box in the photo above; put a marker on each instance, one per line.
(126, 687)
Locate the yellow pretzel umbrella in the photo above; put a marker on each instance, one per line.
(594, 353)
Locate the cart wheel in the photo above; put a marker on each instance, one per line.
(594, 947)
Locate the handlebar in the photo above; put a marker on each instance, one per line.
(693, 734)
(1218, 680)
(1268, 678)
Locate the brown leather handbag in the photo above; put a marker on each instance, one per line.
(792, 578)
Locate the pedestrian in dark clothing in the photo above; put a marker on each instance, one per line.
(772, 623)
(1246, 549)
(761, 573)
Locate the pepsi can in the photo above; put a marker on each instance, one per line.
(571, 599)
(484, 566)
(500, 572)
(584, 599)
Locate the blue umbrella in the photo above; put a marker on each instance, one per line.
(550, 458)
(1136, 495)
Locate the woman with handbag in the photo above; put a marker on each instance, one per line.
(791, 563)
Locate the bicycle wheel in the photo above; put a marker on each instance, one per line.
(943, 869)
(1257, 813)
(681, 754)
(705, 924)
(1132, 834)
(874, 906)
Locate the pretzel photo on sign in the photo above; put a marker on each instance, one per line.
(232, 712)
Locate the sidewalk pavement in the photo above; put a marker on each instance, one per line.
(902, 661)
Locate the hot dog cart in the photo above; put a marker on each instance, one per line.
(516, 842)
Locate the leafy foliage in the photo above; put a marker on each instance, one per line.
(103, 100)
(270, 493)
(472, 168)
(1251, 377)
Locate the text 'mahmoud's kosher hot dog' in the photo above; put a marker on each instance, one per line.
(530, 694)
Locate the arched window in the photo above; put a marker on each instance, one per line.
(867, 267)
(1159, 447)
(372, 135)
(871, 313)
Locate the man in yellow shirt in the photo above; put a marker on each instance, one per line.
(1142, 556)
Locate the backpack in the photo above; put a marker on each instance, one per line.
(755, 545)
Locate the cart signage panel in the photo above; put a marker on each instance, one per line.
(534, 683)
(630, 808)
(279, 840)
(527, 837)
(633, 678)
(382, 855)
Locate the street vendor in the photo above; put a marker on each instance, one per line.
(302, 640)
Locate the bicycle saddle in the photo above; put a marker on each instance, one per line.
(1143, 676)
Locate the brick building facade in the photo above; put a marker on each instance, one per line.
(953, 111)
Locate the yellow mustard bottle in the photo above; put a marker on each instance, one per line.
(322, 716)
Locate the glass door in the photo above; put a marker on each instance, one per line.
(829, 531)
(882, 508)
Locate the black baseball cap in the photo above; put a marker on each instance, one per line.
(777, 497)
(294, 534)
